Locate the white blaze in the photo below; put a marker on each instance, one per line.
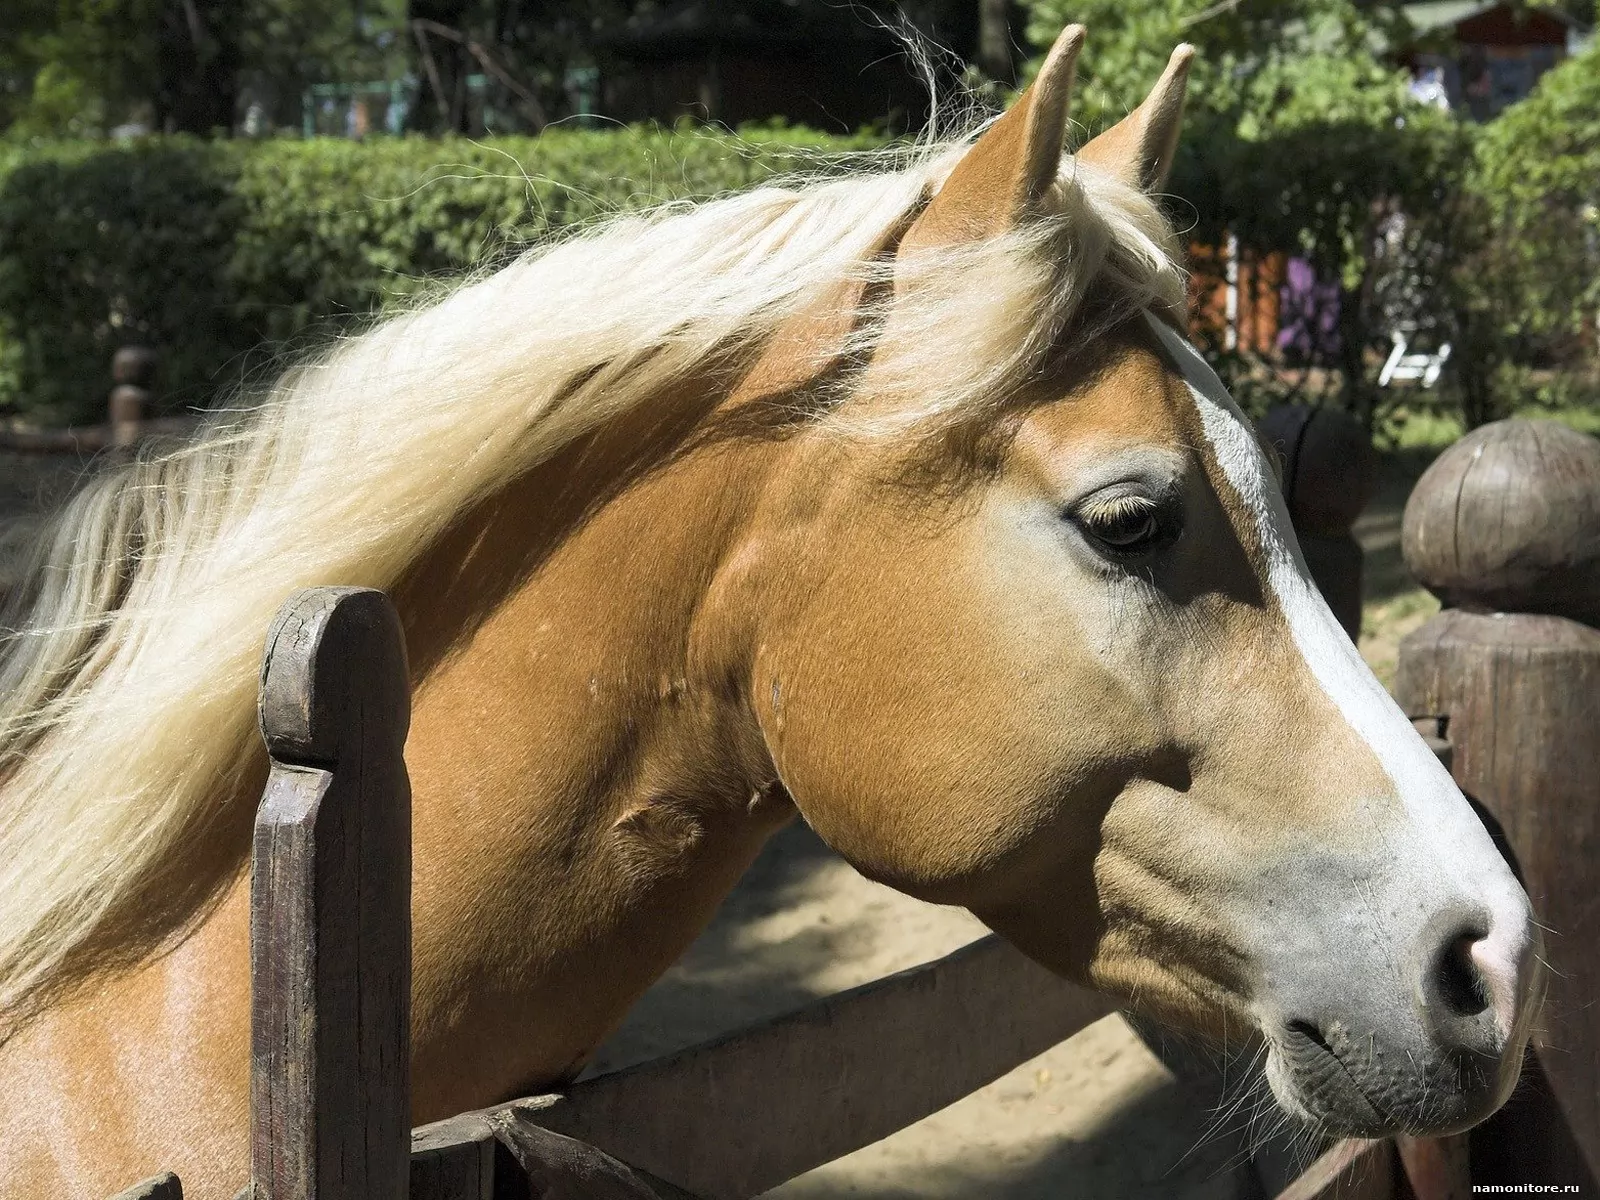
(1334, 662)
(1445, 836)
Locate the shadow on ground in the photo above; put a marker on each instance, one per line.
(1098, 1116)
(1378, 528)
(775, 944)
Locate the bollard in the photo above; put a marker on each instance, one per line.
(1329, 472)
(133, 372)
(1505, 529)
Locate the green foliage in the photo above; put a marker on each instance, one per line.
(208, 250)
(83, 65)
(1517, 239)
(1261, 64)
(1301, 138)
(1294, 124)
(1298, 135)
(58, 102)
(1538, 173)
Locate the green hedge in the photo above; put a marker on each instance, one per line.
(222, 254)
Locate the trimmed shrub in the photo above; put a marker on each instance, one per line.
(224, 254)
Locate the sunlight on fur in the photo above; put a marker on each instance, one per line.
(132, 638)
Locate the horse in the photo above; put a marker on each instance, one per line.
(898, 500)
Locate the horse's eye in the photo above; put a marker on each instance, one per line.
(1127, 524)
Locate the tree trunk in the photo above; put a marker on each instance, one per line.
(442, 65)
(994, 56)
(197, 82)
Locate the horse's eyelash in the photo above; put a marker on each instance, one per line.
(1114, 507)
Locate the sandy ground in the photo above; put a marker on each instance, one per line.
(1099, 1117)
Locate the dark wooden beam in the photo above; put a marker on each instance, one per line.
(741, 1114)
(330, 919)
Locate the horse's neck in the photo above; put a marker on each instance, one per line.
(588, 782)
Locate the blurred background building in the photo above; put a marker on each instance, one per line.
(1478, 58)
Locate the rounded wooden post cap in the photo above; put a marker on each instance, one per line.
(335, 657)
(1508, 520)
(135, 365)
(1329, 469)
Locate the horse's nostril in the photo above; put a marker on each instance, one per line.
(1460, 987)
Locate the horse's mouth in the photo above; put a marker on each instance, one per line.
(1329, 1089)
(1375, 1097)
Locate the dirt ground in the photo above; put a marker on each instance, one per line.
(1099, 1117)
(29, 482)
(1394, 604)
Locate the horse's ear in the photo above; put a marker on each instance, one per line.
(1008, 170)
(1138, 149)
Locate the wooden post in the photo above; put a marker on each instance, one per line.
(1505, 529)
(330, 917)
(133, 373)
(1329, 472)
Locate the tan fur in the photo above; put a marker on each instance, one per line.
(641, 656)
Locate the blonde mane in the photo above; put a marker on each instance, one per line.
(130, 645)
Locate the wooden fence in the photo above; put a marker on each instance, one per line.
(129, 414)
(330, 956)
(1505, 528)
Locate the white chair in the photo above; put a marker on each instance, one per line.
(1421, 366)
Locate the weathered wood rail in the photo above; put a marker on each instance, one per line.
(330, 905)
(741, 1114)
(128, 414)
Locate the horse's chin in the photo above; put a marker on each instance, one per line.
(1334, 1086)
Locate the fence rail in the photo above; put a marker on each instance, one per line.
(129, 420)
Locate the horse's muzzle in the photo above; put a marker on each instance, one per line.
(1440, 1067)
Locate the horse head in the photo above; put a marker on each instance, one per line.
(1064, 665)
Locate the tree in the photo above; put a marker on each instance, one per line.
(994, 57)
(178, 63)
(179, 58)
(1523, 240)
(1538, 176)
(523, 47)
(1299, 137)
